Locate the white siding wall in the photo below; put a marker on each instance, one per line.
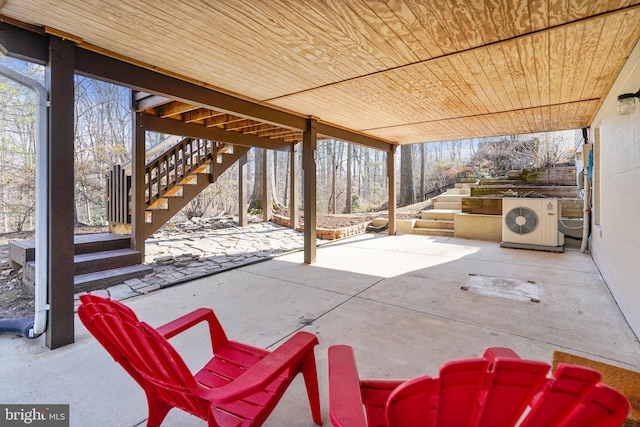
(615, 242)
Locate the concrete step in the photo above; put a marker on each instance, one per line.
(102, 279)
(439, 214)
(93, 262)
(449, 198)
(447, 205)
(433, 232)
(459, 191)
(431, 223)
(464, 184)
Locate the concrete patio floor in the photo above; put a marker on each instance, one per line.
(399, 301)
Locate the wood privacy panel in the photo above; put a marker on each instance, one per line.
(406, 70)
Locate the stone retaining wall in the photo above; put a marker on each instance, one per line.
(325, 233)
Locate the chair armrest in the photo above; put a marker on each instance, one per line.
(181, 324)
(492, 353)
(288, 355)
(345, 398)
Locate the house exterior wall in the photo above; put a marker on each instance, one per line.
(615, 237)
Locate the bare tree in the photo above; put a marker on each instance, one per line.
(407, 189)
(348, 207)
(255, 201)
(422, 171)
(17, 150)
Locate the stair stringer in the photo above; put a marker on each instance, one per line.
(169, 205)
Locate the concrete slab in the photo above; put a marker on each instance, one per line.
(396, 299)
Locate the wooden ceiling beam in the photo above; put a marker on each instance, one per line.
(353, 137)
(23, 44)
(257, 128)
(141, 103)
(175, 127)
(174, 108)
(199, 114)
(275, 132)
(34, 46)
(116, 71)
(240, 124)
(218, 119)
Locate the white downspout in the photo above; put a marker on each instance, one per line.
(587, 210)
(586, 221)
(42, 198)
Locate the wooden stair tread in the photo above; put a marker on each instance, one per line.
(100, 237)
(94, 262)
(91, 256)
(23, 251)
(79, 239)
(102, 279)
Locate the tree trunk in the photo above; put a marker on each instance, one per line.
(347, 207)
(285, 199)
(407, 190)
(422, 171)
(332, 197)
(256, 193)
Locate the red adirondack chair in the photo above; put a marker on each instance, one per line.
(239, 386)
(496, 390)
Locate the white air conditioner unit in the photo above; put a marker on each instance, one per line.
(531, 223)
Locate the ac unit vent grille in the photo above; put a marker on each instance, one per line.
(521, 220)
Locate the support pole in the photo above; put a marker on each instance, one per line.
(138, 203)
(309, 142)
(243, 219)
(293, 179)
(391, 179)
(60, 246)
(266, 187)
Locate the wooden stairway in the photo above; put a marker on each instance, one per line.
(101, 260)
(173, 179)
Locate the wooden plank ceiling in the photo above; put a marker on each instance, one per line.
(406, 71)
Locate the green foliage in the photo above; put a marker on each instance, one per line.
(355, 201)
(530, 174)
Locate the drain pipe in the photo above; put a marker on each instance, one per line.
(587, 196)
(33, 328)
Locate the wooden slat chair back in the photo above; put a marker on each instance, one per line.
(496, 390)
(239, 386)
(575, 397)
